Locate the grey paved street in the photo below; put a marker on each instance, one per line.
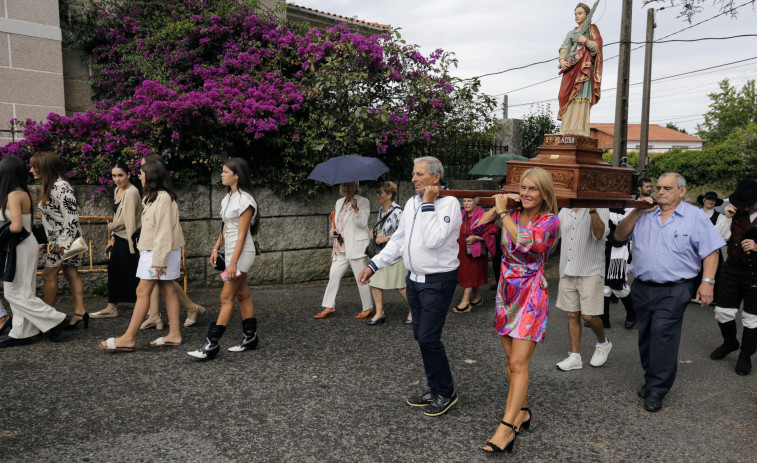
(334, 390)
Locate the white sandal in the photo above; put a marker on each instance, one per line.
(197, 310)
(110, 344)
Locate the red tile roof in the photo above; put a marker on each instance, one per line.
(344, 18)
(656, 133)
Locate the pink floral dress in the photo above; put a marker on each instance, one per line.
(522, 303)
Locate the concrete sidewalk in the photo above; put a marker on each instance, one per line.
(334, 390)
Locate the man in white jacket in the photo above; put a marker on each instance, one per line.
(426, 239)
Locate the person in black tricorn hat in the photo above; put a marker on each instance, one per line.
(738, 277)
(709, 202)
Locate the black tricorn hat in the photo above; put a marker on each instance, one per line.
(745, 194)
(710, 195)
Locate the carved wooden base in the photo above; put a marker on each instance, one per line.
(577, 169)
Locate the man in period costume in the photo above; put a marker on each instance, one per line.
(738, 277)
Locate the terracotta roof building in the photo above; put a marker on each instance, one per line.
(661, 139)
(317, 18)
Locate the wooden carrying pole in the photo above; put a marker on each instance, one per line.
(486, 198)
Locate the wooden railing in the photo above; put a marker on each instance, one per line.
(107, 219)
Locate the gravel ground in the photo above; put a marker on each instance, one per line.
(334, 390)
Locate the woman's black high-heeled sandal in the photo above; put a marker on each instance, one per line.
(526, 424)
(82, 318)
(508, 447)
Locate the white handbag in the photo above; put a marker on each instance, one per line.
(79, 246)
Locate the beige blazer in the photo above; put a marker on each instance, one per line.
(161, 232)
(128, 216)
(356, 233)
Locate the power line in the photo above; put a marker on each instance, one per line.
(607, 44)
(699, 39)
(696, 71)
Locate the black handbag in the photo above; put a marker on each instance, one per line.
(39, 234)
(373, 247)
(220, 263)
(135, 239)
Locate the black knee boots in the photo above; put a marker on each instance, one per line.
(730, 342)
(748, 348)
(250, 340)
(211, 347)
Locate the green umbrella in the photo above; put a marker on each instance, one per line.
(495, 165)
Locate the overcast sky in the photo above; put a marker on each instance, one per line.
(494, 35)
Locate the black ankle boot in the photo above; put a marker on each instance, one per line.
(748, 348)
(730, 342)
(55, 333)
(630, 312)
(605, 317)
(250, 340)
(211, 347)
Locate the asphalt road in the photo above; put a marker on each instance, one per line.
(334, 390)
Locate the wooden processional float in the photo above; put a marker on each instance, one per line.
(582, 178)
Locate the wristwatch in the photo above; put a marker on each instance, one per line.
(709, 280)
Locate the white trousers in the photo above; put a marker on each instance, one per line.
(338, 267)
(30, 314)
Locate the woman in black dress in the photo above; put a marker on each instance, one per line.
(124, 257)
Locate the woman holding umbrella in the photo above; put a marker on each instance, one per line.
(350, 233)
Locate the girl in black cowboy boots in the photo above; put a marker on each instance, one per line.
(240, 216)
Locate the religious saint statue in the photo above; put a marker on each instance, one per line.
(581, 69)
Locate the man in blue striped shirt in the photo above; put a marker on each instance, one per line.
(670, 242)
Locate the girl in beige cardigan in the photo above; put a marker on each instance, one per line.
(124, 257)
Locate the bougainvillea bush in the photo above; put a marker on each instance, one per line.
(199, 80)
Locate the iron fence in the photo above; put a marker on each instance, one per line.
(457, 157)
(10, 134)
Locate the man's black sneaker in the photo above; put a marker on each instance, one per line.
(421, 400)
(440, 405)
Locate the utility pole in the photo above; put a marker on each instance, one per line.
(504, 107)
(643, 155)
(621, 100)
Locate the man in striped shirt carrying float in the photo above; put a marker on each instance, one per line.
(581, 293)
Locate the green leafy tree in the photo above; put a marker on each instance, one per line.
(715, 164)
(672, 126)
(536, 123)
(690, 8)
(744, 142)
(730, 110)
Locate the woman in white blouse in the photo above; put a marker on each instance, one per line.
(240, 216)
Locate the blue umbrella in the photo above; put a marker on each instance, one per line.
(345, 169)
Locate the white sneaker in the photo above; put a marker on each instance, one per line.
(600, 354)
(570, 363)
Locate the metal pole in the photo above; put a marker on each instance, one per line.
(643, 149)
(621, 100)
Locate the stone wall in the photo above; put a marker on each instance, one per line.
(294, 231)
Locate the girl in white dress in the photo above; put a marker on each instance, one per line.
(160, 245)
(30, 314)
(240, 216)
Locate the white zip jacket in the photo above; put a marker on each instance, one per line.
(426, 238)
